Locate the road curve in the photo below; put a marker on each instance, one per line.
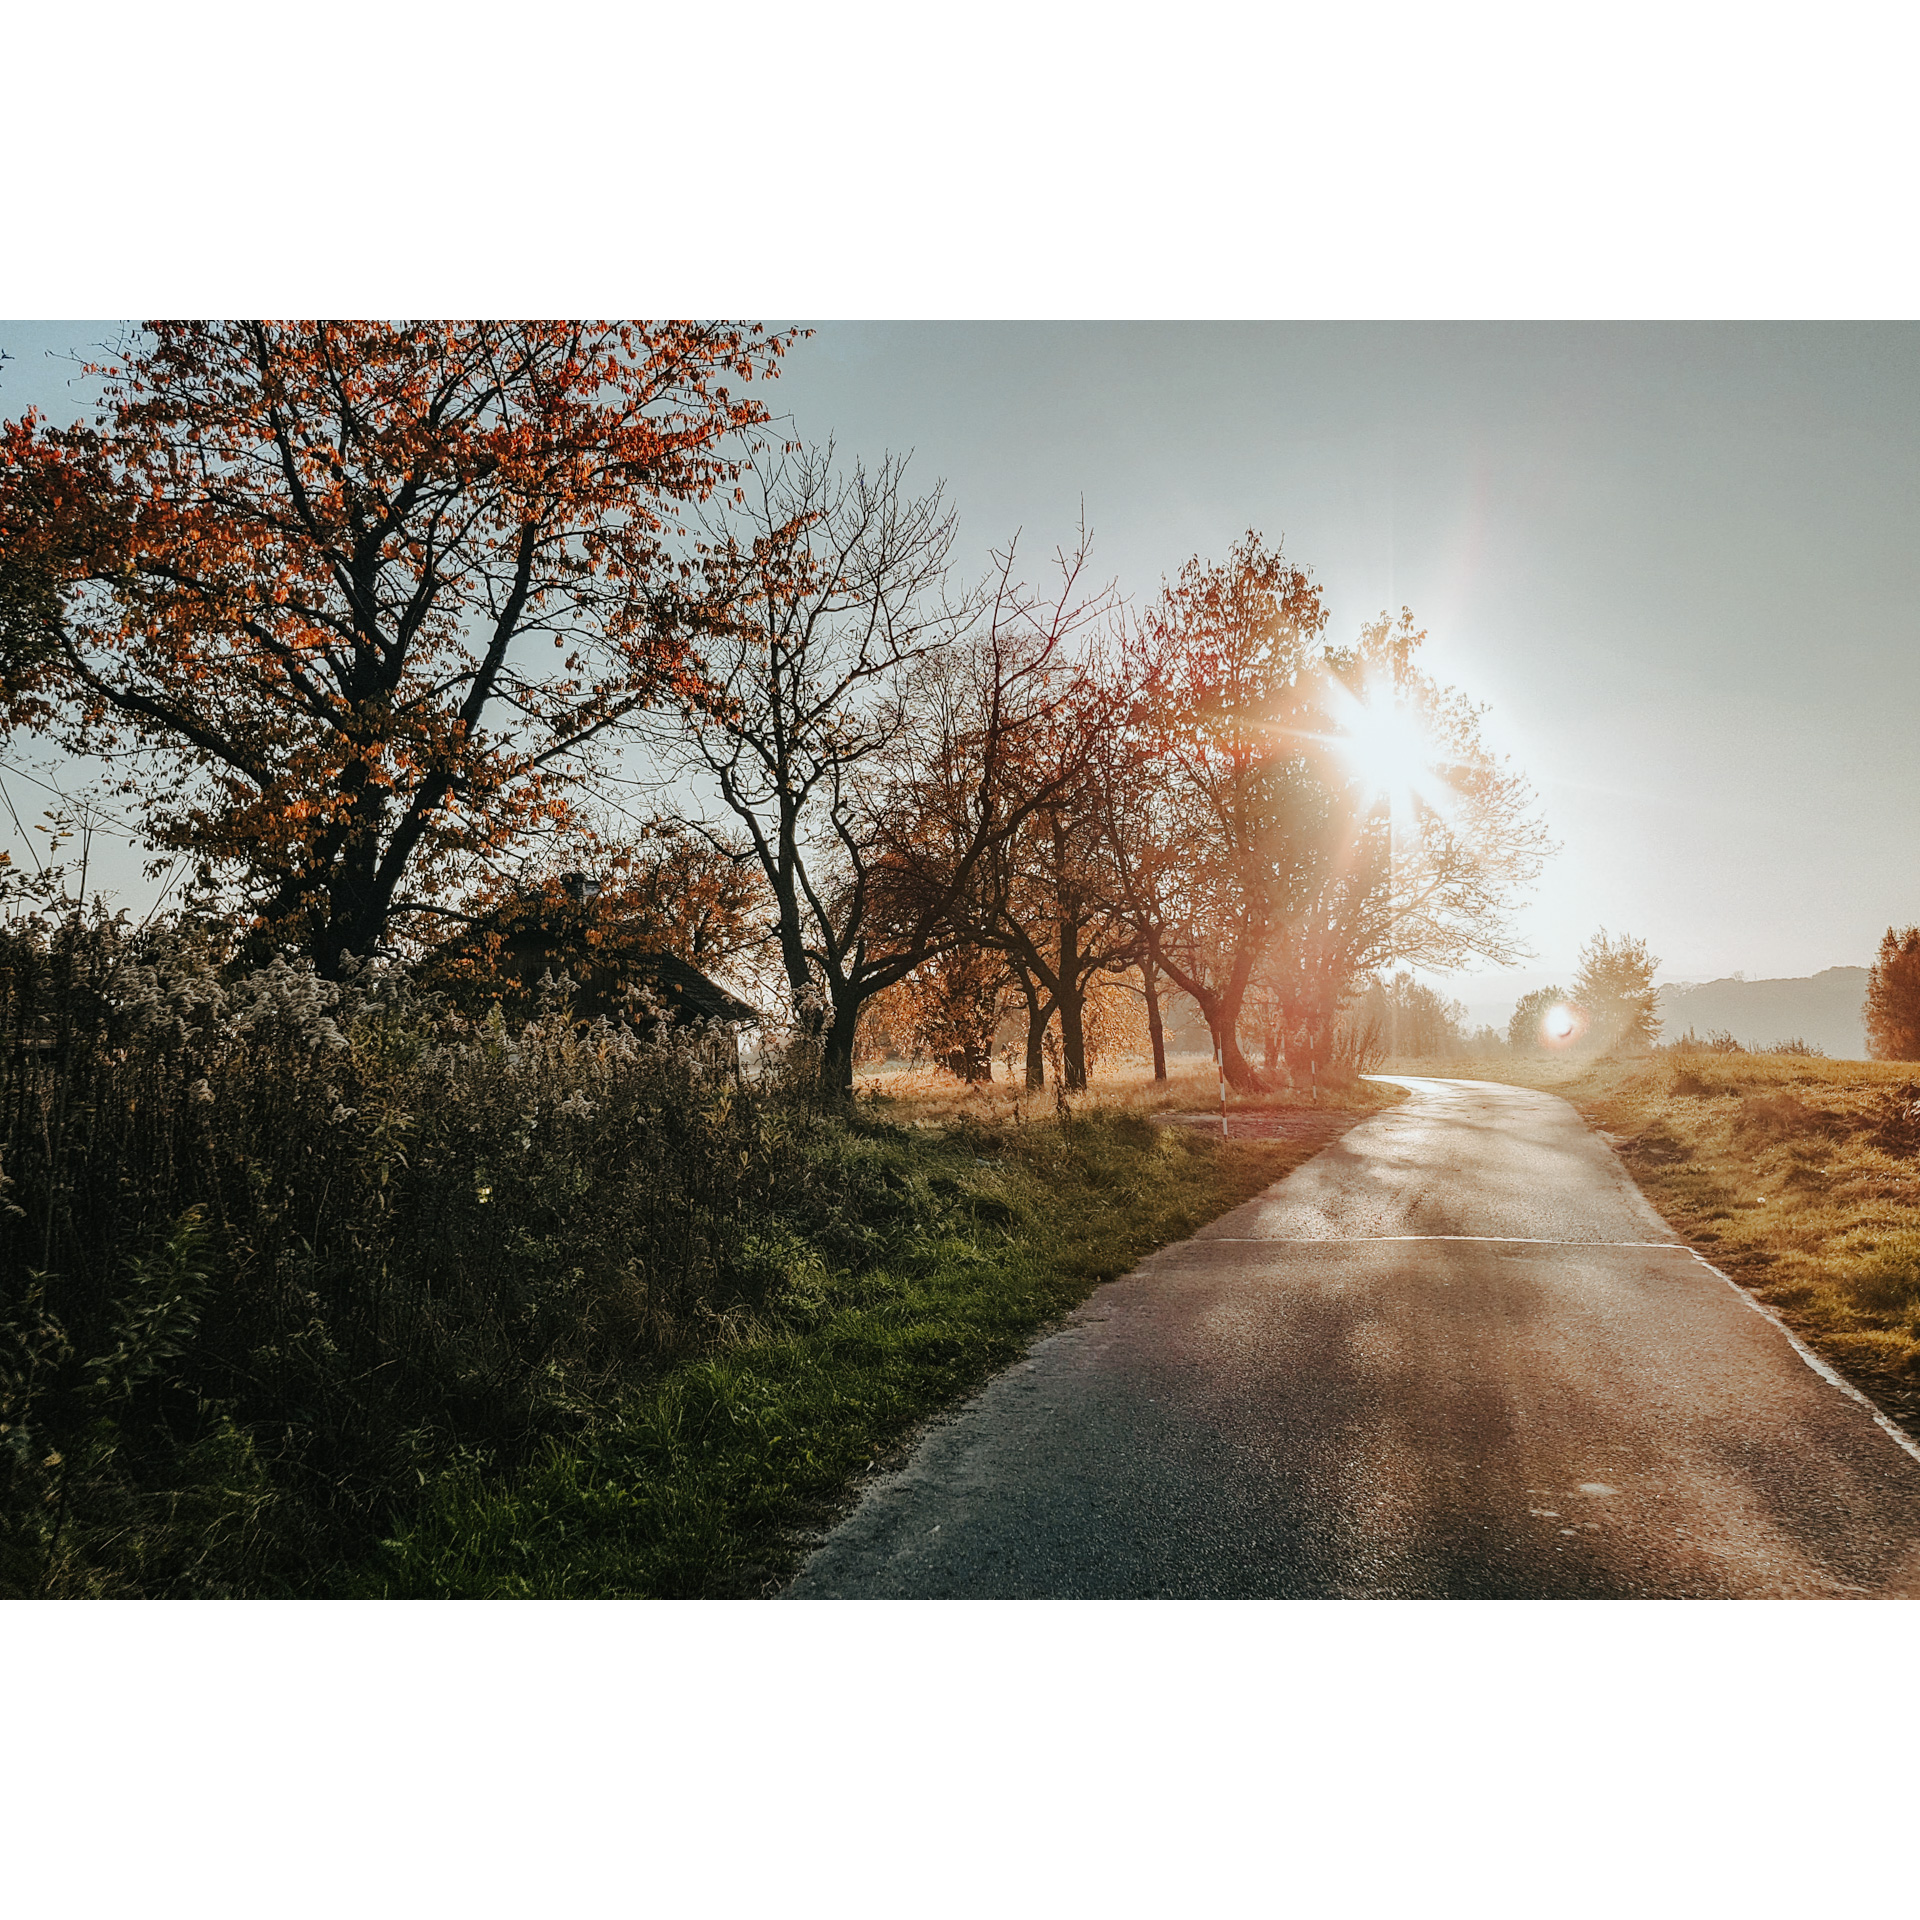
(1455, 1355)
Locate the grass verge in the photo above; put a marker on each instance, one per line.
(713, 1480)
(926, 1095)
(1799, 1178)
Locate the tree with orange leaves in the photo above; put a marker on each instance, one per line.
(1205, 792)
(1892, 1007)
(1425, 874)
(354, 606)
(1251, 854)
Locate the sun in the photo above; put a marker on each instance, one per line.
(1388, 748)
(1385, 746)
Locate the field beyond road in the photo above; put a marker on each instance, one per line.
(1798, 1177)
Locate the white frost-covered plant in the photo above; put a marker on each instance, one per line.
(168, 992)
(289, 999)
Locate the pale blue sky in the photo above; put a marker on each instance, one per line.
(1678, 561)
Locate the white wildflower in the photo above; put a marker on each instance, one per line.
(577, 1104)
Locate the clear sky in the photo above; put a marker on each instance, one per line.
(1677, 561)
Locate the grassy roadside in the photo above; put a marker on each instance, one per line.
(1800, 1178)
(712, 1480)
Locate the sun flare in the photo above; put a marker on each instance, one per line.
(1388, 748)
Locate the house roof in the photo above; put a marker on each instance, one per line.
(686, 993)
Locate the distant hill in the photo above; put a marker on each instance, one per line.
(1824, 1011)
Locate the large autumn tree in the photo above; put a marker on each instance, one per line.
(351, 606)
(1267, 865)
(1206, 794)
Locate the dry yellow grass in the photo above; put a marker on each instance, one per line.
(1782, 1171)
(928, 1095)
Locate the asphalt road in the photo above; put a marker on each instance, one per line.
(1455, 1355)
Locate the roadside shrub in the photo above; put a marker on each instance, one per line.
(277, 1253)
(1717, 1041)
(1888, 1280)
(1357, 1045)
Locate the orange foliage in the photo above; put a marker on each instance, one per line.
(1204, 798)
(1892, 1009)
(1115, 1016)
(946, 1008)
(366, 600)
(666, 891)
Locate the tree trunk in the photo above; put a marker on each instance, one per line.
(1220, 1008)
(1154, 1027)
(1070, 996)
(1242, 1075)
(836, 1052)
(1073, 1038)
(1039, 1012)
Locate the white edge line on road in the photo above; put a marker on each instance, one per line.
(1806, 1353)
(1379, 1239)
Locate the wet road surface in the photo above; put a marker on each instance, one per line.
(1455, 1355)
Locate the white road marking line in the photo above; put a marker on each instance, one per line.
(1377, 1239)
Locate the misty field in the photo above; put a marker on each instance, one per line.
(924, 1094)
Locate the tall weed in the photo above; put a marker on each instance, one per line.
(277, 1254)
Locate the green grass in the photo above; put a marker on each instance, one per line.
(712, 1480)
(1785, 1172)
